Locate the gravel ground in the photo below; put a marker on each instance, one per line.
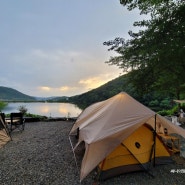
(42, 155)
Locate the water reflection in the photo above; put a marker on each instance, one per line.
(46, 109)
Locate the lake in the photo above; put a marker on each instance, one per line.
(46, 109)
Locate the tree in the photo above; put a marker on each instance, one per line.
(155, 55)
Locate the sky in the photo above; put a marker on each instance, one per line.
(55, 47)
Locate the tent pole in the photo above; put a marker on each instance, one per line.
(142, 166)
(154, 141)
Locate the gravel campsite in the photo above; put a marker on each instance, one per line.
(42, 155)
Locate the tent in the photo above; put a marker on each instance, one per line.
(4, 135)
(111, 124)
(135, 153)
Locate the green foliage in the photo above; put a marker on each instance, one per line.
(182, 106)
(155, 56)
(35, 116)
(148, 6)
(154, 100)
(2, 105)
(154, 103)
(165, 113)
(165, 104)
(175, 109)
(22, 109)
(170, 112)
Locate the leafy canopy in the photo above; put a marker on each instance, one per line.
(155, 55)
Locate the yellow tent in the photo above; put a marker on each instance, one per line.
(109, 124)
(134, 154)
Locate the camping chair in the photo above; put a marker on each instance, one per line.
(17, 121)
(4, 125)
(3, 119)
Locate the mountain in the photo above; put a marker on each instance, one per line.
(101, 93)
(9, 94)
(156, 100)
(52, 99)
(104, 92)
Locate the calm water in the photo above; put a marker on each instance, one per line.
(46, 109)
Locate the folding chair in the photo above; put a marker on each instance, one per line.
(17, 121)
(4, 125)
(3, 119)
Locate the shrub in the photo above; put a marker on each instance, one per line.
(166, 104)
(170, 112)
(22, 109)
(165, 112)
(153, 103)
(2, 105)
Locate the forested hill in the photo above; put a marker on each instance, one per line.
(156, 99)
(9, 94)
(104, 92)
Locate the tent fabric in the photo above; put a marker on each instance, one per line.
(104, 125)
(134, 154)
(4, 136)
(110, 113)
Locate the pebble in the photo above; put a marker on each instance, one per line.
(42, 155)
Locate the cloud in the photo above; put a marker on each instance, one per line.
(45, 88)
(57, 90)
(95, 81)
(46, 52)
(64, 88)
(56, 72)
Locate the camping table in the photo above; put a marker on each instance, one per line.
(172, 140)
